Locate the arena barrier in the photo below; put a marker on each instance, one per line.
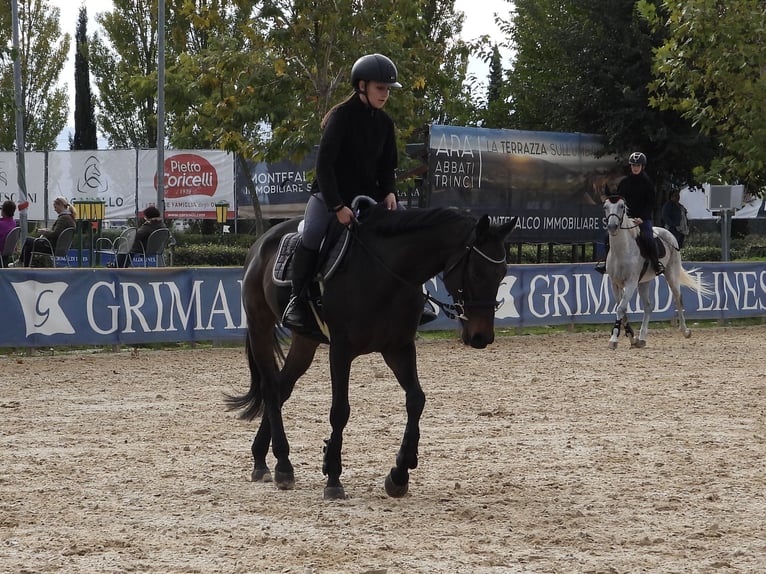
(60, 307)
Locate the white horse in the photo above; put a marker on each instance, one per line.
(629, 270)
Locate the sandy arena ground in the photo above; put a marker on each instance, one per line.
(544, 453)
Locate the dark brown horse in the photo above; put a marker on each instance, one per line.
(371, 303)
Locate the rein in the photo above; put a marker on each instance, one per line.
(451, 310)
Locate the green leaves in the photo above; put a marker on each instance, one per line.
(710, 69)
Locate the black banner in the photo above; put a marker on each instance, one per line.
(552, 181)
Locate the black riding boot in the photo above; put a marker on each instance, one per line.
(297, 314)
(654, 259)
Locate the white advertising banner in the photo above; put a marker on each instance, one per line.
(34, 170)
(194, 181)
(90, 174)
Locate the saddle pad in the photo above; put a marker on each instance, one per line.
(284, 257)
(282, 271)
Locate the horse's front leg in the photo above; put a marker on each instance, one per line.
(403, 363)
(621, 315)
(340, 410)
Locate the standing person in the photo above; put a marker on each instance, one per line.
(152, 222)
(357, 156)
(66, 219)
(7, 223)
(675, 217)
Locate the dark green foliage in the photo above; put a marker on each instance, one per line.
(85, 133)
(586, 67)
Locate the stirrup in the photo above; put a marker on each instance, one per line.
(427, 316)
(660, 269)
(296, 314)
(601, 267)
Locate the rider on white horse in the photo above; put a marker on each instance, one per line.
(638, 191)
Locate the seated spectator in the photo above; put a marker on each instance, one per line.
(7, 223)
(66, 219)
(152, 222)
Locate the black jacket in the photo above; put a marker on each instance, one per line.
(357, 154)
(143, 233)
(638, 191)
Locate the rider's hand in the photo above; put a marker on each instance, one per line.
(345, 215)
(638, 220)
(390, 201)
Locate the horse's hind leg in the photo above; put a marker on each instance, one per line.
(260, 447)
(297, 362)
(403, 363)
(679, 302)
(645, 294)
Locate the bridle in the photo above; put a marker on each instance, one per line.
(621, 216)
(457, 310)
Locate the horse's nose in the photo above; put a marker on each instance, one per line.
(480, 340)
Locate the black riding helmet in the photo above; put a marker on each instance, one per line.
(374, 68)
(637, 158)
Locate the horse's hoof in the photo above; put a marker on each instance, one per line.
(687, 333)
(612, 345)
(395, 490)
(284, 480)
(638, 343)
(261, 475)
(334, 493)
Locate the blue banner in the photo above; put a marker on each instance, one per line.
(59, 307)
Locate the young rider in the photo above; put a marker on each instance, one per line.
(357, 156)
(638, 191)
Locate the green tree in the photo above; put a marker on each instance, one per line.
(496, 113)
(124, 68)
(711, 70)
(43, 54)
(85, 135)
(219, 83)
(260, 85)
(586, 67)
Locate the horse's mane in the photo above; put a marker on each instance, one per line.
(384, 222)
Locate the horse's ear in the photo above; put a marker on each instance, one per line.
(505, 229)
(482, 226)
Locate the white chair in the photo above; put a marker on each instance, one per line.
(63, 243)
(119, 249)
(11, 241)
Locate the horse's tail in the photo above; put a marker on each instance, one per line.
(687, 279)
(252, 401)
